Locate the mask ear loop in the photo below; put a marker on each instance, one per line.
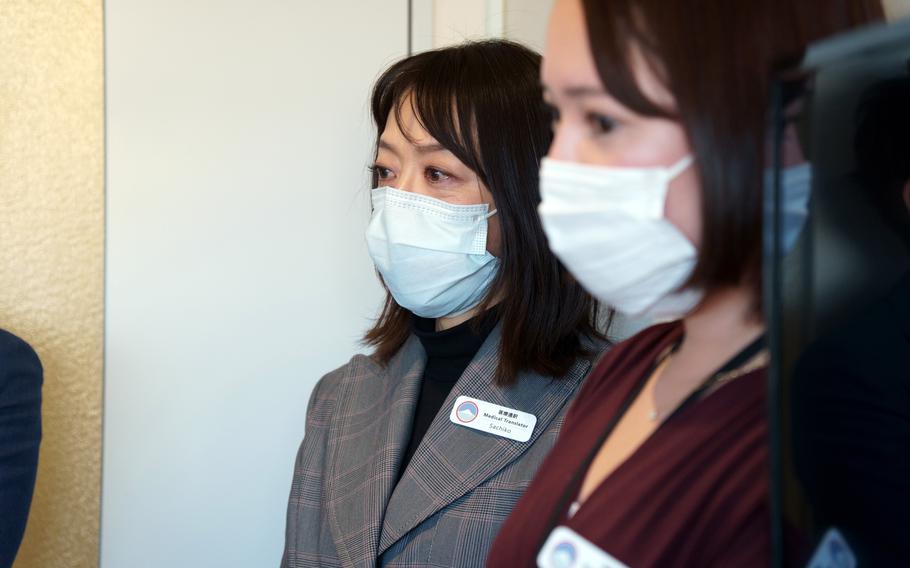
(679, 167)
(486, 217)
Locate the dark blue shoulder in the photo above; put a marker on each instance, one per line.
(18, 359)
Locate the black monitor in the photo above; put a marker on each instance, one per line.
(837, 260)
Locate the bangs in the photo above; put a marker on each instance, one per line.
(617, 26)
(443, 98)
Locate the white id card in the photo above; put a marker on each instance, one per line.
(493, 419)
(566, 548)
(833, 552)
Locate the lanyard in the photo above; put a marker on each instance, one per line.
(733, 363)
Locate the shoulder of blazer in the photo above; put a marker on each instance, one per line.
(355, 369)
(325, 393)
(18, 359)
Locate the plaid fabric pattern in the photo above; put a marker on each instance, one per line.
(345, 508)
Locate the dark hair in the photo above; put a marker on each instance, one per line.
(482, 102)
(882, 149)
(716, 58)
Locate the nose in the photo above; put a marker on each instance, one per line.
(407, 180)
(411, 179)
(565, 143)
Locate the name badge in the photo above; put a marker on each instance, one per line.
(833, 552)
(493, 419)
(566, 548)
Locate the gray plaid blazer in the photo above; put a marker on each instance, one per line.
(345, 508)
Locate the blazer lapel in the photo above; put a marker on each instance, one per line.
(452, 460)
(368, 437)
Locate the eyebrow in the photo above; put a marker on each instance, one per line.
(579, 91)
(422, 148)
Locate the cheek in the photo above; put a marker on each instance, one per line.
(683, 205)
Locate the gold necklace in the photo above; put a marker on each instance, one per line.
(758, 361)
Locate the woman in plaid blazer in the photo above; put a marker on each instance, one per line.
(416, 454)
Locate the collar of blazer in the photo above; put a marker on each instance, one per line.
(367, 512)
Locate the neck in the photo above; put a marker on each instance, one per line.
(722, 326)
(449, 322)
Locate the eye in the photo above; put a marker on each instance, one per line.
(435, 175)
(381, 172)
(601, 124)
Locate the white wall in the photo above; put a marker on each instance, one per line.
(438, 23)
(896, 9)
(238, 137)
(525, 21)
(457, 20)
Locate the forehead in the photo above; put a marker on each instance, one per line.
(409, 128)
(567, 57)
(568, 65)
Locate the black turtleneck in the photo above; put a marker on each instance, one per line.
(448, 354)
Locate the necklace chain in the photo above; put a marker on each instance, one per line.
(760, 360)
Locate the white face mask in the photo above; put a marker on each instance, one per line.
(431, 254)
(607, 226)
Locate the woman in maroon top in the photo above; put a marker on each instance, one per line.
(652, 199)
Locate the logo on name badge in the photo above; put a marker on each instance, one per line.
(467, 411)
(563, 555)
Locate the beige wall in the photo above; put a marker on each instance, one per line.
(51, 254)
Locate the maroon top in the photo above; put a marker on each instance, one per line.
(695, 493)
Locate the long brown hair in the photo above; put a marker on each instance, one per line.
(482, 102)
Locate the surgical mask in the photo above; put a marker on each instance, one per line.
(796, 184)
(607, 226)
(431, 254)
